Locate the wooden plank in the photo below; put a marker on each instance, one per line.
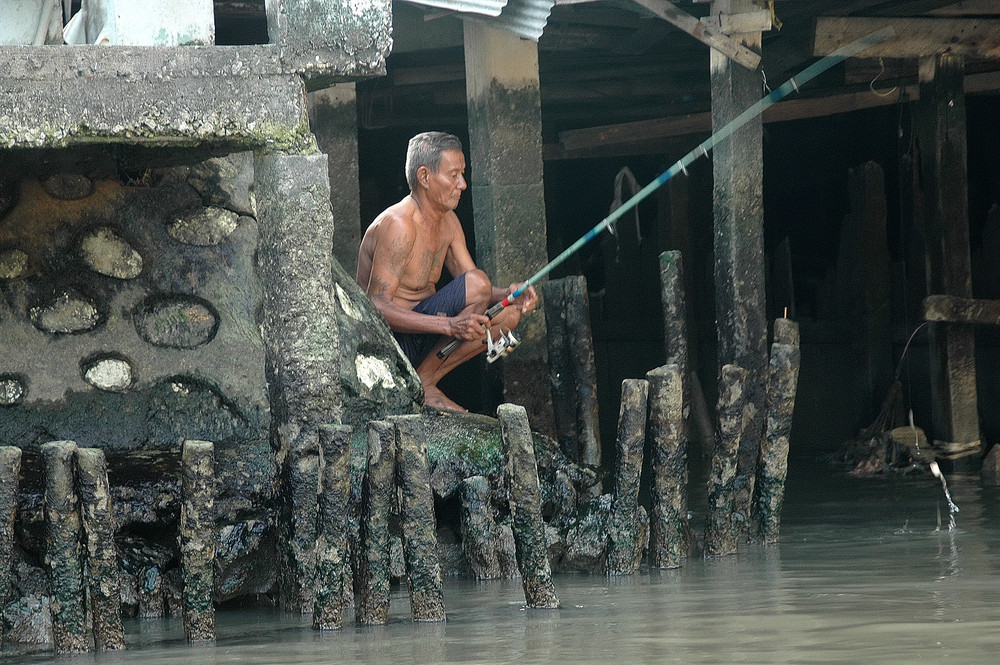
(728, 24)
(915, 37)
(691, 25)
(955, 309)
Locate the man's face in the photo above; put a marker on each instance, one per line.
(446, 186)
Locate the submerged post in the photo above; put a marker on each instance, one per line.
(419, 525)
(198, 539)
(378, 498)
(331, 525)
(782, 381)
(104, 575)
(722, 529)
(668, 444)
(525, 507)
(10, 471)
(624, 545)
(62, 549)
(478, 528)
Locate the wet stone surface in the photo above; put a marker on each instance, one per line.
(67, 312)
(205, 227)
(109, 373)
(68, 186)
(12, 390)
(13, 264)
(179, 322)
(105, 252)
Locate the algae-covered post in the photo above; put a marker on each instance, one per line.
(668, 445)
(104, 573)
(722, 530)
(298, 521)
(624, 544)
(198, 538)
(419, 524)
(10, 470)
(62, 549)
(331, 525)
(378, 499)
(525, 507)
(478, 528)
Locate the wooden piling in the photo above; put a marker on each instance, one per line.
(525, 507)
(624, 546)
(478, 528)
(104, 573)
(62, 549)
(10, 471)
(378, 499)
(332, 525)
(668, 445)
(781, 385)
(419, 524)
(722, 530)
(198, 538)
(674, 310)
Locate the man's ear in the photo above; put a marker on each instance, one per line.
(423, 174)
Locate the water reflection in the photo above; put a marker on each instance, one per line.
(864, 573)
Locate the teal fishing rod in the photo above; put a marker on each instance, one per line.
(680, 166)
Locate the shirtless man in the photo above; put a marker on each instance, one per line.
(400, 262)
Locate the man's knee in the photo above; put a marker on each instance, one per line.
(478, 288)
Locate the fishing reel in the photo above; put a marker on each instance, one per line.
(505, 343)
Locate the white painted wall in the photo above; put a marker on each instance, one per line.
(20, 22)
(145, 23)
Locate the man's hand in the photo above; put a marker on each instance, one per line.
(527, 300)
(467, 326)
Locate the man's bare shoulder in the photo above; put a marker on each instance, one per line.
(397, 219)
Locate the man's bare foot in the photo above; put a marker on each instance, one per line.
(433, 397)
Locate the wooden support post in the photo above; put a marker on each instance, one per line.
(624, 542)
(668, 443)
(561, 376)
(941, 134)
(526, 507)
(10, 472)
(62, 549)
(722, 530)
(478, 528)
(198, 539)
(104, 573)
(674, 310)
(332, 525)
(740, 303)
(378, 500)
(782, 381)
(953, 309)
(416, 510)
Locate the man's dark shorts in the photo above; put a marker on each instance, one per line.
(450, 300)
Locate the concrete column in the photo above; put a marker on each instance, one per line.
(668, 449)
(297, 524)
(197, 539)
(505, 136)
(332, 526)
(741, 309)
(378, 500)
(722, 528)
(478, 528)
(333, 118)
(624, 543)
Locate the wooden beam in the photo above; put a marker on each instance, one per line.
(728, 24)
(915, 37)
(730, 48)
(954, 309)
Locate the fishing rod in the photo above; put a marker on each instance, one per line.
(680, 166)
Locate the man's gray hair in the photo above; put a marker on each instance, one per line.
(425, 149)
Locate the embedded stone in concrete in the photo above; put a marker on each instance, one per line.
(12, 390)
(204, 227)
(373, 371)
(68, 312)
(13, 262)
(109, 373)
(105, 252)
(177, 321)
(344, 300)
(68, 186)
(225, 181)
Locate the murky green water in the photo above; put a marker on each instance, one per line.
(863, 575)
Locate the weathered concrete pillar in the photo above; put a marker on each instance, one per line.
(478, 528)
(10, 471)
(572, 372)
(624, 543)
(741, 308)
(721, 529)
(198, 539)
(300, 479)
(940, 128)
(378, 499)
(333, 118)
(526, 507)
(62, 549)
(332, 525)
(416, 510)
(782, 381)
(668, 444)
(103, 571)
(505, 136)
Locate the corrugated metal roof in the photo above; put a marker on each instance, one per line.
(525, 18)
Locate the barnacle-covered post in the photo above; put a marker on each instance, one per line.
(198, 538)
(378, 499)
(624, 545)
(331, 525)
(10, 470)
(722, 529)
(668, 446)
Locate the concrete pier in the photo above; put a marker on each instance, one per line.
(198, 539)
(624, 546)
(10, 470)
(378, 500)
(723, 529)
(668, 445)
(332, 526)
